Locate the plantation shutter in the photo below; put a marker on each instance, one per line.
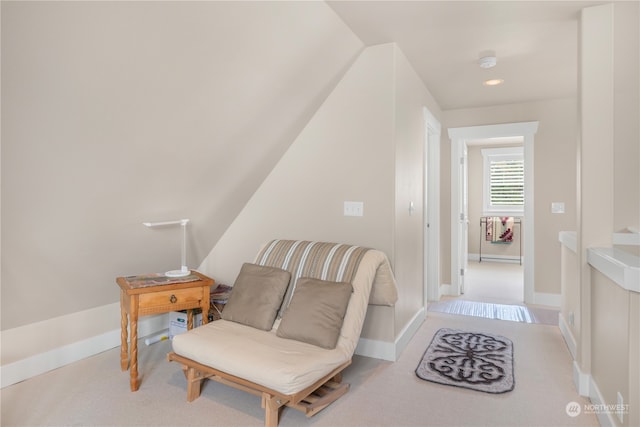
(503, 181)
(506, 185)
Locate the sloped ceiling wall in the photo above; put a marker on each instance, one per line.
(115, 113)
(365, 143)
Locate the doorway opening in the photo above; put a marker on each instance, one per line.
(495, 192)
(431, 228)
(461, 140)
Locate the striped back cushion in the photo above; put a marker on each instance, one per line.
(326, 261)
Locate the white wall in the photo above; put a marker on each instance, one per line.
(345, 153)
(626, 122)
(115, 113)
(364, 144)
(608, 334)
(118, 113)
(410, 173)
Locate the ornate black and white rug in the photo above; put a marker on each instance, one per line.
(479, 361)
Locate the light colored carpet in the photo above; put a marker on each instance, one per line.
(95, 392)
(498, 282)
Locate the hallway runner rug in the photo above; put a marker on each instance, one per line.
(474, 360)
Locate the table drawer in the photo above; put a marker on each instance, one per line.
(167, 298)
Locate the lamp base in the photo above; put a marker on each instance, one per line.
(177, 273)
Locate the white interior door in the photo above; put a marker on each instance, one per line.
(432, 209)
(463, 223)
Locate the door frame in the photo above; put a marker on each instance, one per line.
(431, 211)
(459, 137)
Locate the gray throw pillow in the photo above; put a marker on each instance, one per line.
(316, 312)
(256, 296)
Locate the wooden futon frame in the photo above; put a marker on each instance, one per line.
(310, 401)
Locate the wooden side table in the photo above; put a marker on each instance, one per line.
(155, 294)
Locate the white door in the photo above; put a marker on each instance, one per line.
(463, 224)
(432, 209)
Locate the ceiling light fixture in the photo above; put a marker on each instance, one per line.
(493, 82)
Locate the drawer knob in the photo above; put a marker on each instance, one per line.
(173, 299)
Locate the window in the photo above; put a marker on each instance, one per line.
(503, 181)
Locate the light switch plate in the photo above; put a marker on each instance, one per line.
(353, 208)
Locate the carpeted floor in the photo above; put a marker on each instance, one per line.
(498, 282)
(95, 392)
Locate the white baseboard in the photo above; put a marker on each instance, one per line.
(391, 350)
(605, 417)
(569, 339)
(39, 363)
(550, 300)
(581, 380)
(445, 289)
(45, 361)
(409, 331)
(587, 387)
(377, 349)
(495, 258)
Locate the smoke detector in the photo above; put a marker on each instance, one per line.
(487, 61)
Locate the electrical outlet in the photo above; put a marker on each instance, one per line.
(557, 207)
(571, 318)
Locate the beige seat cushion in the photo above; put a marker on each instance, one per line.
(286, 366)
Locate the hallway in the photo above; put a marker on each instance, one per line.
(495, 291)
(497, 282)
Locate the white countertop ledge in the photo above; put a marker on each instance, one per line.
(628, 238)
(569, 239)
(620, 266)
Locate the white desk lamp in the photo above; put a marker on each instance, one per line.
(184, 270)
